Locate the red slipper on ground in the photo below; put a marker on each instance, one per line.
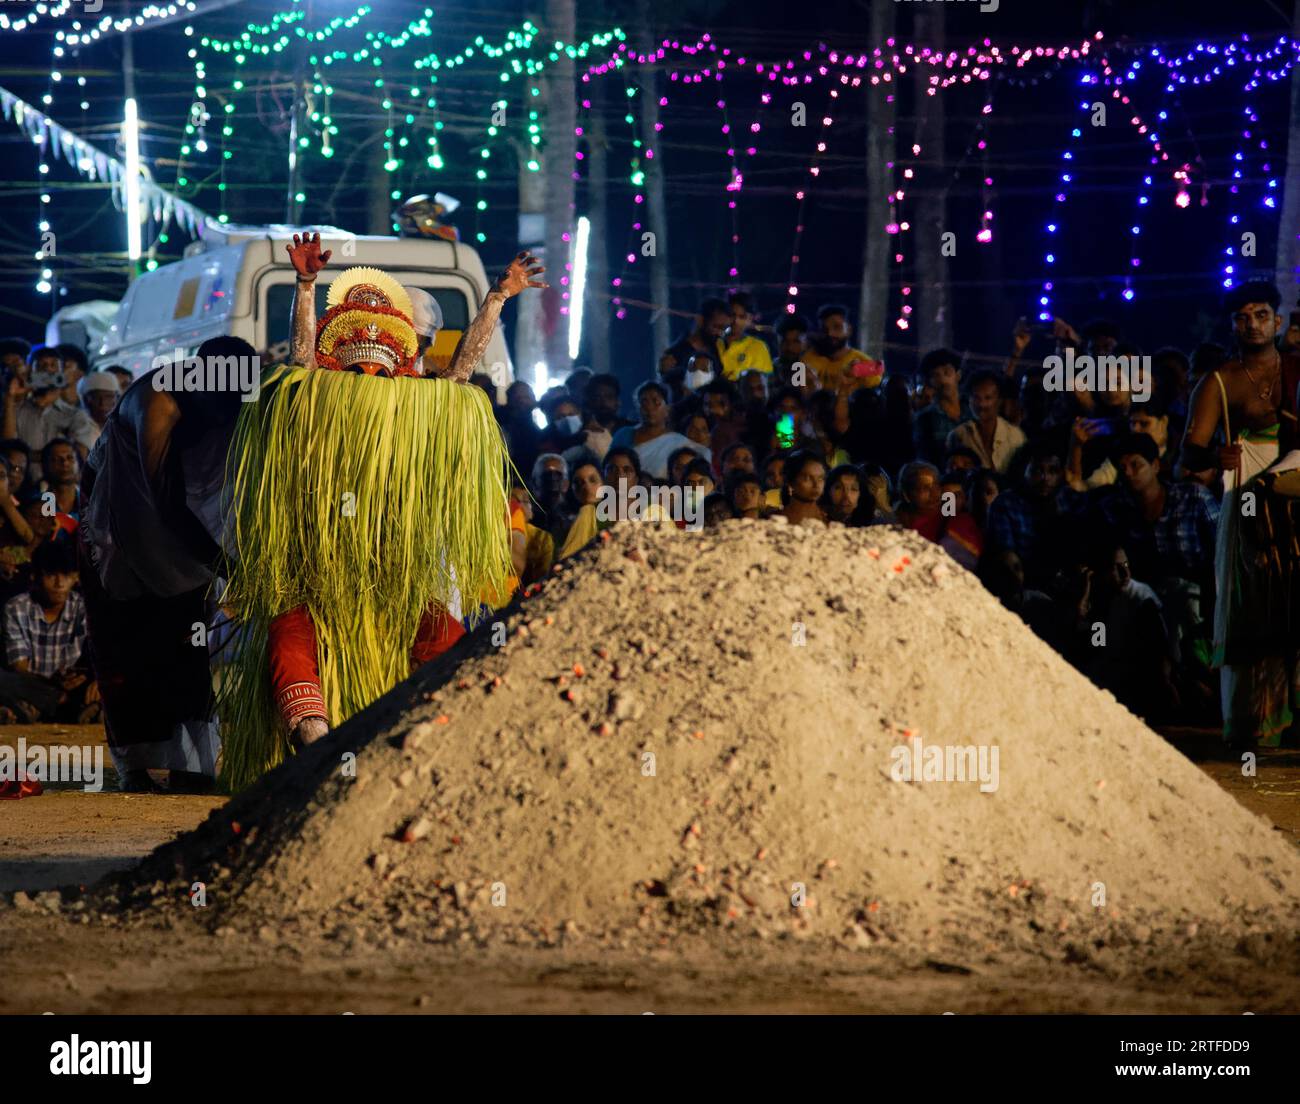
(24, 787)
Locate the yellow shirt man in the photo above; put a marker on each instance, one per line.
(749, 354)
(836, 372)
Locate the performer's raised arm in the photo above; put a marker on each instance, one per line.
(308, 260)
(522, 272)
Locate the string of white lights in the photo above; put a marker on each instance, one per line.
(90, 31)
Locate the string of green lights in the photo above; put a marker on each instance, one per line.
(404, 124)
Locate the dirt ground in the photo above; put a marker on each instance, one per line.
(69, 837)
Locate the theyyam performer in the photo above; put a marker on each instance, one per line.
(365, 497)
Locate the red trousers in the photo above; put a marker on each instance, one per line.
(295, 676)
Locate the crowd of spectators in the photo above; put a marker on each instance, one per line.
(1068, 505)
(54, 408)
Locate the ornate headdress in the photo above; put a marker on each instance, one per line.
(368, 322)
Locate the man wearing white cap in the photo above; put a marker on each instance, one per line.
(99, 393)
(427, 321)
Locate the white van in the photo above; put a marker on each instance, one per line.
(237, 281)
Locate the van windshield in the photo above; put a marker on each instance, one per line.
(279, 305)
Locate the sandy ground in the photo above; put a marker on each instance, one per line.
(68, 837)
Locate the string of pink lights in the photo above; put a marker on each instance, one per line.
(735, 181)
(976, 63)
(786, 73)
(1197, 66)
(636, 176)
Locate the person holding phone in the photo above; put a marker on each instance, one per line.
(739, 350)
(1151, 418)
(837, 363)
(713, 318)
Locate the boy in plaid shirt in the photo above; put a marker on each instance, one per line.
(45, 633)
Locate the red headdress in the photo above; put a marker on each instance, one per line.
(368, 323)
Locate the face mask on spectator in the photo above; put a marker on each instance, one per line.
(698, 377)
(569, 424)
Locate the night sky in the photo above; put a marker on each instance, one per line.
(1176, 288)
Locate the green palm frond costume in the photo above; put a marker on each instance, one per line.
(365, 499)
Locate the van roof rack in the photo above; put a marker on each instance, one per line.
(218, 235)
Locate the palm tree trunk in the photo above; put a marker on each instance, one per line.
(596, 314)
(561, 143)
(1287, 270)
(656, 205)
(932, 310)
(881, 114)
(379, 204)
(530, 345)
